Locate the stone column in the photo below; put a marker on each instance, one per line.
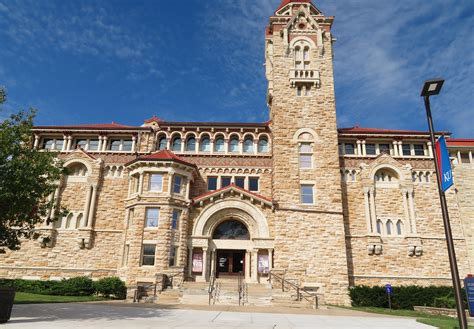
(64, 148)
(359, 147)
(226, 146)
(134, 142)
(405, 209)
(69, 143)
(270, 259)
(395, 148)
(190, 261)
(92, 208)
(254, 276)
(367, 210)
(140, 184)
(247, 265)
(36, 143)
(87, 206)
(459, 157)
(104, 143)
(241, 146)
(400, 148)
(430, 151)
(198, 145)
(204, 264)
(412, 210)
(170, 181)
(373, 214)
(212, 145)
(470, 157)
(99, 146)
(168, 143)
(255, 146)
(364, 150)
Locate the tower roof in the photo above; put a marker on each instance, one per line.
(286, 2)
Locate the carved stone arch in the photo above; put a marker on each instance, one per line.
(190, 134)
(302, 38)
(223, 210)
(73, 161)
(234, 134)
(204, 134)
(397, 170)
(299, 132)
(219, 134)
(245, 136)
(175, 134)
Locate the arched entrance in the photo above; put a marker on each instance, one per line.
(229, 236)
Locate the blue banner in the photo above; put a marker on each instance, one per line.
(469, 286)
(444, 164)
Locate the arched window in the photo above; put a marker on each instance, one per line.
(162, 143)
(219, 144)
(302, 55)
(388, 225)
(69, 220)
(386, 177)
(234, 145)
(176, 145)
(78, 221)
(306, 156)
(231, 230)
(306, 54)
(248, 145)
(399, 227)
(77, 170)
(205, 145)
(379, 226)
(191, 144)
(262, 145)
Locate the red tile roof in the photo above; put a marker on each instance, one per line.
(228, 187)
(100, 126)
(360, 130)
(154, 119)
(286, 2)
(460, 142)
(164, 155)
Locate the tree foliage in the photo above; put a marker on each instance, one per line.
(28, 178)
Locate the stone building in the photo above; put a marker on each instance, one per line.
(330, 207)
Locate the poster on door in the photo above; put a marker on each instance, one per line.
(263, 265)
(197, 262)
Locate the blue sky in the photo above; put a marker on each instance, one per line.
(195, 60)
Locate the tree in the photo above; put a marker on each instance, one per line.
(28, 177)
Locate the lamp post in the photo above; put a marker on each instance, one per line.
(432, 88)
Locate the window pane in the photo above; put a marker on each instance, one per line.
(234, 145)
(253, 184)
(177, 184)
(406, 149)
(191, 144)
(340, 149)
(419, 149)
(306, 148)
(225, 181)
(148, 254)
(59, 144)
(176, 145)
(175, 219)
(399, 228)
(48, 144)
(93, 144)
(307, 194)
(205, 145)
(115, 145)
(212, 183)
(384, 148)
(465, 158)
(248, 146)
(262, 146)
(389, 228)
(173, 252)
(127, 145)
(81, 143)
(156, 182)
(370, 149)
(305, 161)
(349, 149)
(152, 215)
(240, 182)
(219, 145)
(162, 143)
(379, 227)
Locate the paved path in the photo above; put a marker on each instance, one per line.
(51, 316)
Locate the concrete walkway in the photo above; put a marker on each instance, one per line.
(124, 316)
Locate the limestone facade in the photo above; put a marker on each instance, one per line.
(330, 207)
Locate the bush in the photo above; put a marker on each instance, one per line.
(80, 286)
(403, 297)
(447, 301)
(111, 287)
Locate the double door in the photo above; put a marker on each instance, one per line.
(230, 262)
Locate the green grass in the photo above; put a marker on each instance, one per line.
(439, 321)
(27, 298)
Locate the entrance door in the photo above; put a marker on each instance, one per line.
(230, 262)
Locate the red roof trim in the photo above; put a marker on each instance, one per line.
(462, 142)
(287, 2)
(164, 155)
(210, 124)
(359, 130)
(154, 119)
(100, 126)
(229, 187)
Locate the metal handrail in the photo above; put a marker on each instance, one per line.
(212, 288)
(141, 289)
(241, 289)
(170, 277)
(301, 293)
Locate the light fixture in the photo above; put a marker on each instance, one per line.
(432, 87)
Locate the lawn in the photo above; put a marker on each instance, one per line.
(27, 298)
(442, 322)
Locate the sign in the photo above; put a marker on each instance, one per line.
(469, 286)
(444, 164)
(388, 289)
(263, 264)
(197, 262)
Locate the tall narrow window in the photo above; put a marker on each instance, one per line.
(191, 144)
(148, 254)
(152, 217)
(370, 149)
(419, 149)
(306, 156)
(162, 143)
(175, 219)
(253, 184)
(389, 227)
(173, 253)
(59, 144)
(176, 145)
(306, 192)
(205, 145)
(225, 181)
(399, 227)
(127, 145)
(349, 148)
(234, 145)
(384, 148)
(263, 145)
(156, 182)
(306, 54)
(219, 144)
(406, 149)
(248, 145)
(240, 182)
(177, 184)
(93, 145)
(379, 226)
(212, 183)
(299, 91)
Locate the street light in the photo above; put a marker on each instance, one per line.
(432, 88)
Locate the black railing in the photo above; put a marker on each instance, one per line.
(286, 285)
(242, 289)
(212, 289)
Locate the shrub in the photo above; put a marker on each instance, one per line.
(447, 301)
(80, 286)
(403, 297)
(111, 287)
